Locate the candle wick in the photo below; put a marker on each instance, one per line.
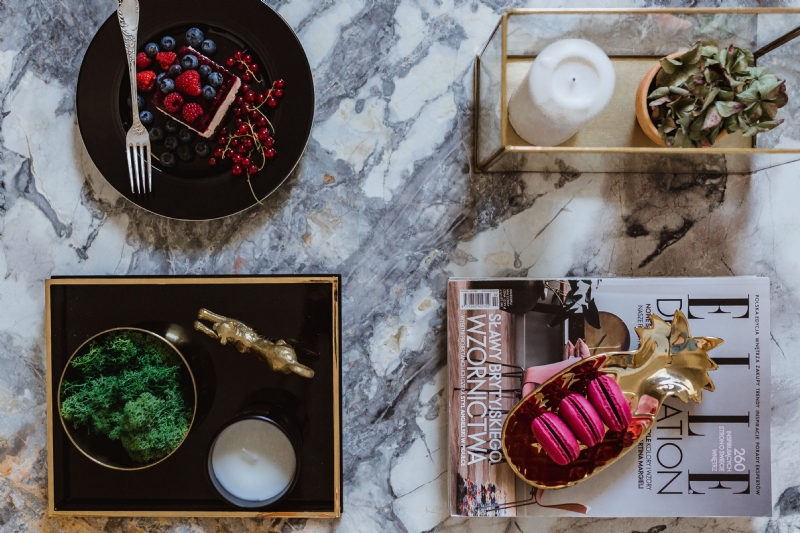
(251, 458)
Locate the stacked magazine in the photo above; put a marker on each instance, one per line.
(700, 459)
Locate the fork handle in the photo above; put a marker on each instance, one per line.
(128, 14)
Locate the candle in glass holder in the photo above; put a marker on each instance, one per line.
(253, 460)
(570, 82)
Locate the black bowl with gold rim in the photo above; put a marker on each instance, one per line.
(196, 394)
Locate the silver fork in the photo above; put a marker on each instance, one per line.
(137, 140)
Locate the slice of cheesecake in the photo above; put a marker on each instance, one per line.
(214, 110)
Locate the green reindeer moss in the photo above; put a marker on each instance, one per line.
(129, 389)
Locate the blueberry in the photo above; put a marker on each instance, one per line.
(166, 85)
(209, 93)
(195, 37)
(202, 149)
(139, 100)
(146, 117)
(156, 135)
(171, 143)
(185, 153)
(168, 159)
(151, 49)
(167, 44)
(215, 79)
(204, 71)
(160, 77)
(175, 71)
(171, 126)
(189, 62)
(186, 135)
(208, 47)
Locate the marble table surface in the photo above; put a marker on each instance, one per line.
(385, 195)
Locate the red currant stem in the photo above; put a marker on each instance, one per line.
(251, 189)
(258, 108)
(246, 66)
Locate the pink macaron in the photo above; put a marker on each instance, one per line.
(584, 421)
(607, 398)
(556, 439)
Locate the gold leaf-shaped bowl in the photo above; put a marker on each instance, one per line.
(668, 362)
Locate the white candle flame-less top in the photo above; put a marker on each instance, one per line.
(253, 460)
(570, 82)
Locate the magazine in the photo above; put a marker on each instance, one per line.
(699, 459)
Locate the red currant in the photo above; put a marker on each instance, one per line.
(269, 142)
(278, 93)
(253, 169)
(254, 68)
(228, 154)
(263, 134)
(269, 153)
(241, 149)
(237, 55)
(239, 100)
(247, 107)
(219, 152)
(245, 162)
(254, 114)
(223, 131)
(241, 66)
(230, 62)
(250, 96)
(234, 142)
(279, 84)
(212, 161)
(237, 111)
(260, 98)
(247, 58)
(237, 159)
(238, 122)
(271, 102)
(237, 169)
(261, 122)
(222, 140)
(243, 129)
(248, 143)
(244, 89)
(247, 76)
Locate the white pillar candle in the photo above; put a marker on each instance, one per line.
(570, 82)
(253, 460)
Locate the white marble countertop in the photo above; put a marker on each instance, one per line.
(385, 196)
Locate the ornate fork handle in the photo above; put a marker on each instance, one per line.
(128, 15)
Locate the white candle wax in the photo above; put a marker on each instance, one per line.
(570, 82)
(253, 460)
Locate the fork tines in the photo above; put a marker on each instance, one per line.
(140, 168)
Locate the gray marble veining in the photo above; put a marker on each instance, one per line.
(386, 196)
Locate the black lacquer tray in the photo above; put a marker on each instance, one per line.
(302, 308)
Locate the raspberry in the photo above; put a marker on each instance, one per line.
(192, 112)
(173, 102)
(189, 83)
(165, 59)
(146, 80)
(142, 61)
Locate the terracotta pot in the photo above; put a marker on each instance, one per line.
(643, 110)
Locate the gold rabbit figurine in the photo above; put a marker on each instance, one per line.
(280, 356)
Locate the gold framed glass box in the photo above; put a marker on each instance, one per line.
(634, 40)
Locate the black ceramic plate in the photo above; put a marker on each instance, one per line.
(196, 191)
(228, 383)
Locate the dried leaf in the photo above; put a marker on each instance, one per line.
(713, 118)
(658, 93)
(727, 109)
